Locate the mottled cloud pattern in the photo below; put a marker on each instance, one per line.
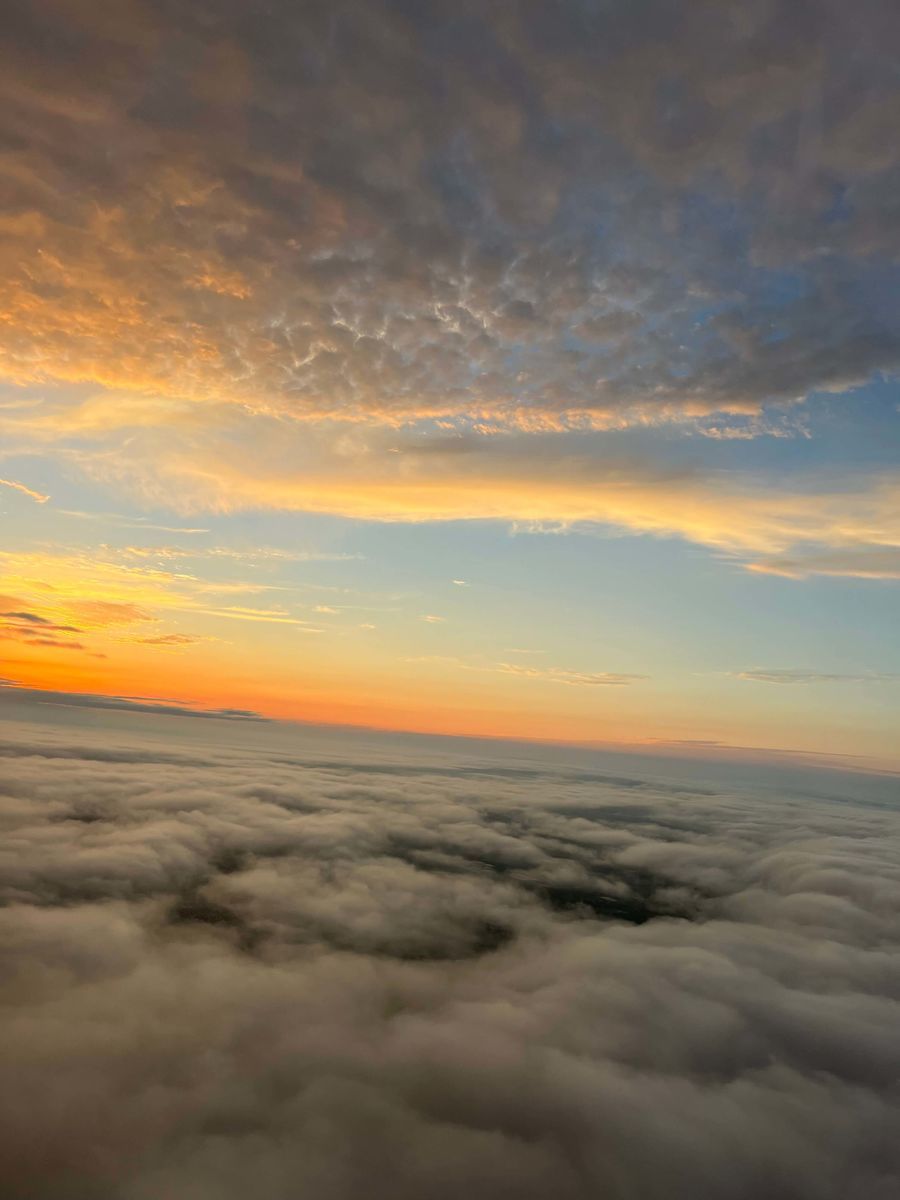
(225, 220)
(559, 210)
(353, 967)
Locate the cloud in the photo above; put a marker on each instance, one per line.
(129, 522)
(339, 288)
(262, 555)
(32, 629)
(507, 216)
(171, 639)
(101, 614)
(16, 633)
(522, 480)
(788, 675)
(12, 691)
(108, 598)
(343, 967)
(867, 562)
(543, 674)
(573, 678)
(38, 497)
(30, 619)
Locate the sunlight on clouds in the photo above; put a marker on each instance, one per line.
(38, 497)
(402, 241)
(737, 514)
(391, 270)
(539, 674)
(854, 562)
(77, 588)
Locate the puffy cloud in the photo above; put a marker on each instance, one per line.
(577, 213)
(328, 966)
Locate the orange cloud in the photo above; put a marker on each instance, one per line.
(169, 639)
(739, 515)
(38, 497)
(852, 562)
(99, 614)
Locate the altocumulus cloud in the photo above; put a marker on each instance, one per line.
(374, 209)
(290, 231)
(250, 969)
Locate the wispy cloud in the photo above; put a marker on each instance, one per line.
(792, 675)
(854, 562)
(171, 639)
(788, 525)
(135, 522)
(572, 678)
(124, 703)
(260, 555)
(35, 631)
(561, 675)
(38, 497)
(103, 597)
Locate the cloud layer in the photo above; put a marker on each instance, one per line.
(300, 258)
(374, 968)
(516, 212)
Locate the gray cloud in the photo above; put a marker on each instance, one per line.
(447, 208)
(794, 675)
(13, 693)
(34, 619)
(332, 966)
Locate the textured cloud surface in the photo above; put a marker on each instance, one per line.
(342, 968)
(412, 208)
(267, 240)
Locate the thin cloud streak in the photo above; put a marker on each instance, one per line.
(38, 497)
(789, 675)
(147, 706)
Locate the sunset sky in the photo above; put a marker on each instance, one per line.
(447, 368)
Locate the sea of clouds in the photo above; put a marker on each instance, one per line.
(239, 963)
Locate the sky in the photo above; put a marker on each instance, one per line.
(519, 370)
